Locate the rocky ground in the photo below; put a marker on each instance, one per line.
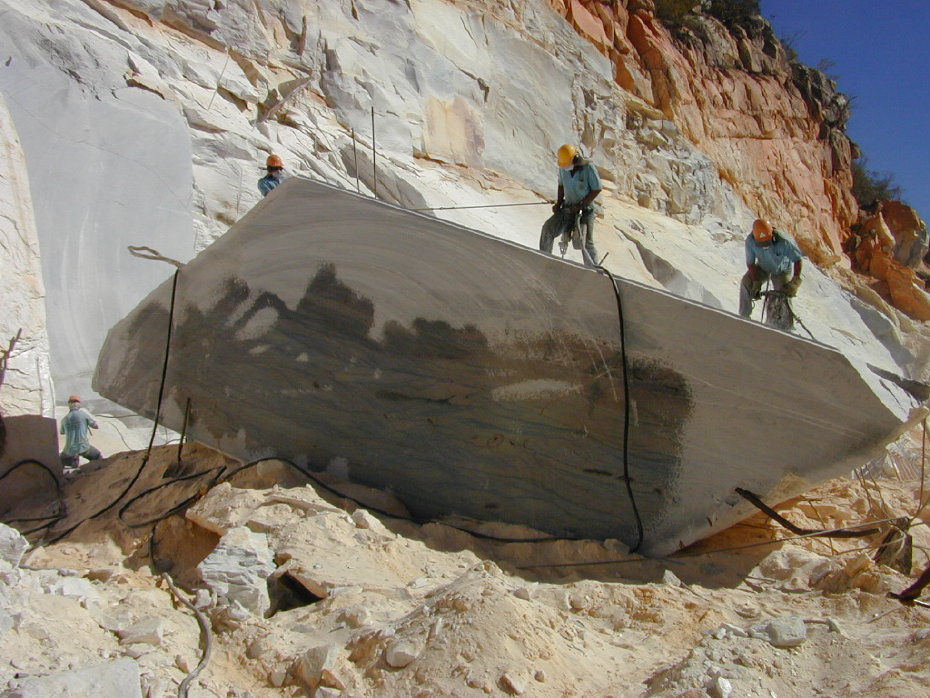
(297, 590)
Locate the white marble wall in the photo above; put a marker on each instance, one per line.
(108, 165)
(149, 127)
(26, 383)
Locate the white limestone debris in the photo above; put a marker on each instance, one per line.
(117, 679)
(512, 683)
(150, 631)
(237, 569)
(400, 652)
(403, 615)
(225, 509)
(12, 546)
(783, 632)
(319, 666)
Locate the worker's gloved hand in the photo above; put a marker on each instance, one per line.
(757, 295)
(791, 288)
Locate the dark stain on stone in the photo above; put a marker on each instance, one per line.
(595, 471)
(417, 411)
(394, 396)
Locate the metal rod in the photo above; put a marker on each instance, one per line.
(218, 81)
(187, 416)
(449, 208)
(374, 168)
(358, 187)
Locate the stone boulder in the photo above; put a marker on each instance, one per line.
(116, 679)
(237, 569)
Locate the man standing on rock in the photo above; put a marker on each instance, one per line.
(770, 254)
(76, 426)
(579, 185)
(275, 166)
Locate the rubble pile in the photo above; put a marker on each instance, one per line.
(298, 590)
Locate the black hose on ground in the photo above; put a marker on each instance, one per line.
(824, 533)
(161, 391)
(62, 507)
(205, 633)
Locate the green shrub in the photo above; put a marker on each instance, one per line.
(734, 13)
(673, 12)
(870, 186)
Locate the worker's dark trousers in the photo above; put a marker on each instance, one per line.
(561, 222)
(92, 453)
(749, 287)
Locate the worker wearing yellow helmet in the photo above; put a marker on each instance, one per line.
(579, 185)
(770, 254)
(275, 167)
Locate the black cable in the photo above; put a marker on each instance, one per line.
(626, 410)
(205, 633)
(226, 477)
(771, 513)
(175, 509)
(700, 553)
(187, 416)
(62, 507)
(161, 391)
(450, 208)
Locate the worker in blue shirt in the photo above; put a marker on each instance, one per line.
(275, 167)
(579, 185)
(770, 254)
(76, 426)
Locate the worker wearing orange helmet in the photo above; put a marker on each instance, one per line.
(275, 167)
(579, 185)
(76, 426)
(770, 254)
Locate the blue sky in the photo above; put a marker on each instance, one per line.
(881, 55)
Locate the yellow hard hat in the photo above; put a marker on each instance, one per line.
(762, 230)
(566, 154)
(274, 161)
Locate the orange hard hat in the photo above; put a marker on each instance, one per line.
(274, 161)
(74, 398)
(566, 154)
(762, 230)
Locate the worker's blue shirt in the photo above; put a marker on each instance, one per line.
(76, 427)
(775, 259)
(577, 186)
(269, 182)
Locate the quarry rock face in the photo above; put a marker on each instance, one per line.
(26, 382)
(156, 118)
(147, 123)
(772, 127)
(109, 165)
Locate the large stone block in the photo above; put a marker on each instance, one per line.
(474, 376)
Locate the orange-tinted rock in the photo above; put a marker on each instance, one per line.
(876, 227)
(909, 231)
(588, 24)
(905, 287)
(873, 255)
(901, 217)
(774, 129)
